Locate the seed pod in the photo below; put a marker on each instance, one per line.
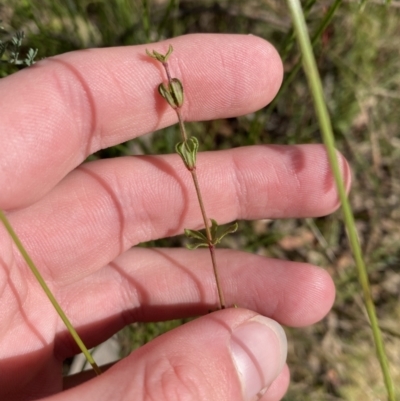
(165, 92)
(176, 88)
(188, 151)
(173, 94)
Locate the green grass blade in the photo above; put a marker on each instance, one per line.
(316, 36)
(314, 81)
(49, 294)
(146, 19)
(290, 38)
(293, 73)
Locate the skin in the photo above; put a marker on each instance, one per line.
(79, 222)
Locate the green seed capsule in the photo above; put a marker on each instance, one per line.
(188, 152)
(177, 91)
(166, 94)
(173, 94)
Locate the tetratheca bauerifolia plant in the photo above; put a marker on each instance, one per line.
(187, 149)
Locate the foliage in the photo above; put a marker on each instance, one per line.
(10, 50)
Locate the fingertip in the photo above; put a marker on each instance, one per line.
(317, 291)
(246, 69)
(318, 184)
(273, 66)
(278, 387)
(329, 194)
(321, 296)
(259, 349)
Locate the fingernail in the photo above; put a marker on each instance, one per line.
(259, 351)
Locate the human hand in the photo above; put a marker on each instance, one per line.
(79, 224)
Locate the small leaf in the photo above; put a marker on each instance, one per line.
(16, 40)
(187, 150)
(195, 234)
(218, 233)
(30, 57)
(160, 57)
(196, 245)
(14, 58)
(228, 230)
(214, 229)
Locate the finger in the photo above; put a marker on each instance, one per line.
(146, 285)
(276, 391)
(67, 107)
(230, 355)
(110, 205)
(278, 388)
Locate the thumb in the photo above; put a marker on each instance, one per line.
(232, 355)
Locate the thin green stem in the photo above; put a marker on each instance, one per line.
(211, 246)
(166, 68)
(49, 294)
(181, 125)
(314, 81)
(316, 36)
(174, 95)
(294, 71)
(290, 38)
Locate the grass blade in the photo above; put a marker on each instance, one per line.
(314, 82)
(316, 36)
(49, 294)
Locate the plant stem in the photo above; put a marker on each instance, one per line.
(294, 71)
(166, 67)
(211, 246)
(193, 172)
(314, 81)
(181, 125)
(48, 292)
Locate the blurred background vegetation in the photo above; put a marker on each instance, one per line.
(357, 50)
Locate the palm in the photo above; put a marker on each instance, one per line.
(28, 364)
